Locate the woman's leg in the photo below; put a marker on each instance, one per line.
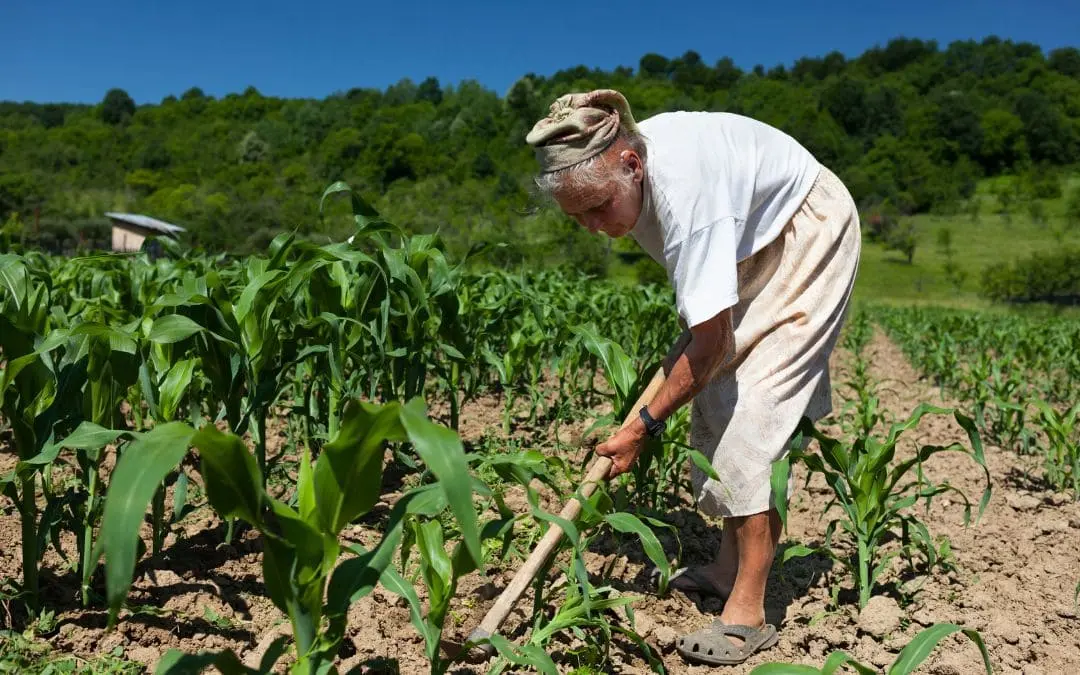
(755, 539)
(719, 574)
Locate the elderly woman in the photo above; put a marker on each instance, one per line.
(761, 244)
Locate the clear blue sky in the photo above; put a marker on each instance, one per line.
(75, 51)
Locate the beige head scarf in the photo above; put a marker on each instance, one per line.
(579, 126)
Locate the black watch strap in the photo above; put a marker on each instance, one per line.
(652, 427)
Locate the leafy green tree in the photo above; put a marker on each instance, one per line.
(654, 65)
(1049, 139)
(726, 73)
(1065, 60)
(1003, 141)
(430, 91)
(117, 107)
(903, 239)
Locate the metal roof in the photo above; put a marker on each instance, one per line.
(145, 221)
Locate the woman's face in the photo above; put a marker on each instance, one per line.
(612, 207)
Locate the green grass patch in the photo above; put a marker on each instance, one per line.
(980, 238)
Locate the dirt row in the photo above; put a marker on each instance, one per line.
(1013, 579)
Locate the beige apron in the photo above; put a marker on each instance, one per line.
(793, 298)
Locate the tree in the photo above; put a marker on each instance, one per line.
(429, 90)
(653, 65)
(689, 71)
(726, 73)
(845, 99)
(117, 107)
(953, 273)
(1048, 137)
(1003, 142)
(152, 155)
(902, 239)
(1065, 60)
(958, 123)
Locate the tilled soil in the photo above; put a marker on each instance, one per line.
(1015, 573)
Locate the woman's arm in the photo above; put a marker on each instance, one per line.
(711, 346)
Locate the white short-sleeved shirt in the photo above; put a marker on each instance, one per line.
(718, 188)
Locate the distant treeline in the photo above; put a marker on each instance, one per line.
(909, 126)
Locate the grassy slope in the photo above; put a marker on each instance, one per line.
(991, 238)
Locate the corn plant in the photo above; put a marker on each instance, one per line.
(910, 658)
(1008, 410)
(301, 550)
(582, 608)
(167, 380)
(874, 495)
(1062, 459)
(863, 411)
(31, 399)
(857, 332)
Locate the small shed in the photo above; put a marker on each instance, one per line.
(129, 230)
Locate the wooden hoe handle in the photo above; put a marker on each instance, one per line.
(539, 557)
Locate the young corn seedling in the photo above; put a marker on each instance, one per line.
(581, 608)
(866, 406)
(910, 658)
(1008, 408)
(301, 550)
(1062, 461)
(875, 495)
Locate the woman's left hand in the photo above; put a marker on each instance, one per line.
(623, 448)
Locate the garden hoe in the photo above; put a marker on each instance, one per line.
(550, 542)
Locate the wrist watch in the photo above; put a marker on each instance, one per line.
(653, 427)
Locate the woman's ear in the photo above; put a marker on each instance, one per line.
(632, 161)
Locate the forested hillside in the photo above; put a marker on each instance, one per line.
(910, 127)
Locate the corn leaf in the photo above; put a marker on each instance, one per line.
(233, 484)
(524, 655)
(442, 452)
(177, 380)
(920, 647)
(781, 470)
(630, 524)
(618, 367)
(348, 473)
(141, 468)
(173, 328)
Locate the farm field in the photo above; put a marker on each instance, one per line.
(337, 456)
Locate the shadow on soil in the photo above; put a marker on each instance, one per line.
(700, 540)
(179, 625)
(1024, 480)
(202, 554)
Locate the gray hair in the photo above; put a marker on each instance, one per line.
(591, 173)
